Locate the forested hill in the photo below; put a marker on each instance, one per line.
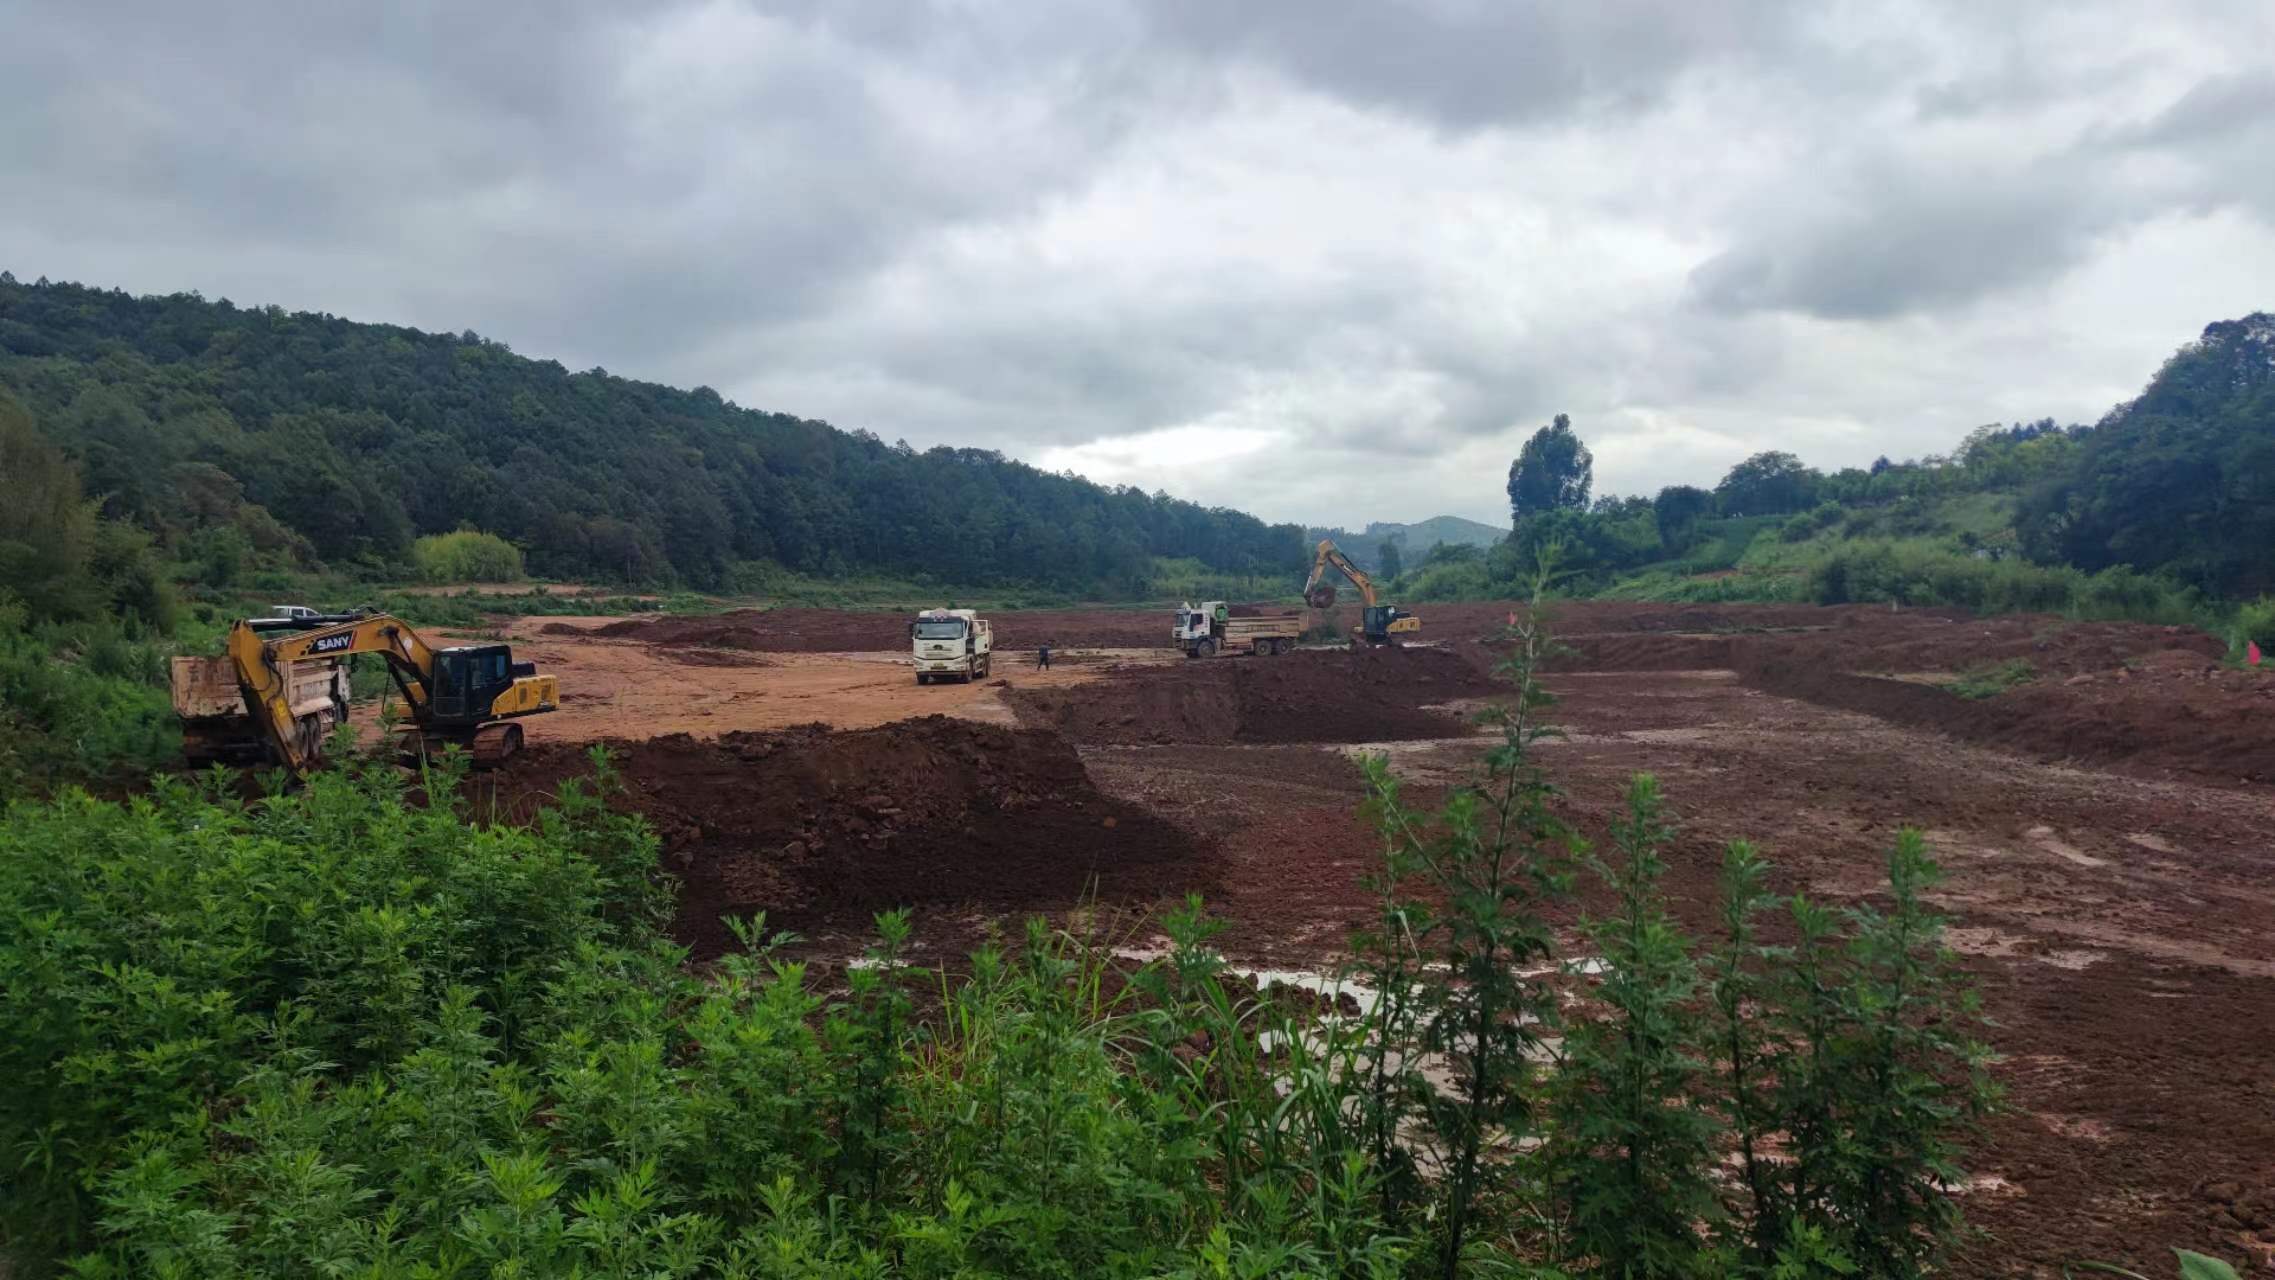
(319, 437)
(2181, 478)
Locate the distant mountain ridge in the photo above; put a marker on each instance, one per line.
(1415, 540)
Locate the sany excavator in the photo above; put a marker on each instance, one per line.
(281, 687)
(1380, 623)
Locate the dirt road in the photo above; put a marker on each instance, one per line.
(616, 688)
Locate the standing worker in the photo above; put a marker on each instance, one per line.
(1043, 657)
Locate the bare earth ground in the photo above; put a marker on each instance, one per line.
(612, 688)
(2104, 829)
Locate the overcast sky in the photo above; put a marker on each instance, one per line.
(1325, 262)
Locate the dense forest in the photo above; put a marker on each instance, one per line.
(2162, 509)
(252, 432)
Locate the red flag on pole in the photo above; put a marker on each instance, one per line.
(2251, 652)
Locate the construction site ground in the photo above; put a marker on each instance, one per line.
(2104, 824)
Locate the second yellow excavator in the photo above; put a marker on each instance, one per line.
(280, 688)
(1379, 623)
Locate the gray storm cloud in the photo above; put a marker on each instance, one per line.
(1327, 263)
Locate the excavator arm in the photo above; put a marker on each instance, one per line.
(1379, 623)
(1319, 597)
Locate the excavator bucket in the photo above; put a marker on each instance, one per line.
(1321, 596)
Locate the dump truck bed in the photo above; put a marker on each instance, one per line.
(205, 689)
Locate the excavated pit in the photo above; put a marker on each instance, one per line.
(817, 827)
(1323, 696)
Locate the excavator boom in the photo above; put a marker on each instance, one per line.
(1330, 554)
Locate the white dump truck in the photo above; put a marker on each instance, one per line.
(950, 644)
(1212, 629)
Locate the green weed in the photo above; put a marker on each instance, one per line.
(1991, 679)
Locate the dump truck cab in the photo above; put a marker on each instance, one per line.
(950, 644)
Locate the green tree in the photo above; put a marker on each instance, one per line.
(47, 527)
(1767, 483)
(1391, 560)
(1676, 513)
(1551, 473)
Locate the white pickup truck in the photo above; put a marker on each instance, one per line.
(950, 644)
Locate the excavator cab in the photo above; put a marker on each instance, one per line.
(1384, 623)
(468, 679)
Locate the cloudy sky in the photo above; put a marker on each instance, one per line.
(1326, 262)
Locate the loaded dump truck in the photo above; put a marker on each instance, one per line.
(1212, 629)
(950, 644)
(216, 726)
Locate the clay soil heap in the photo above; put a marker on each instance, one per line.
(821, 828)
(1325, 696)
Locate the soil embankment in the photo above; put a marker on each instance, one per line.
(818, 827)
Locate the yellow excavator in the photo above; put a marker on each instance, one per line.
(1379, 623)
(281, 687)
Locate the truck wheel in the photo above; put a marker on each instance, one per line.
(923, 679)
(1205, 649)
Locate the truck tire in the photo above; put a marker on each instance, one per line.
(1205, 649)
(923, 679)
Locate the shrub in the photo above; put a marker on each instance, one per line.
(2254, 623)
(80, 704)
(467, 555)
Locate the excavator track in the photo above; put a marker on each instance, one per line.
(494, 744)
(486, 748)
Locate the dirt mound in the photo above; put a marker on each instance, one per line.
(1374, 695)
(810, 825)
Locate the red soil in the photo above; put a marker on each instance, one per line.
(1369, 695)
(815, 827)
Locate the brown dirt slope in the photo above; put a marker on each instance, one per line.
(2141, 697)
(815, 827)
